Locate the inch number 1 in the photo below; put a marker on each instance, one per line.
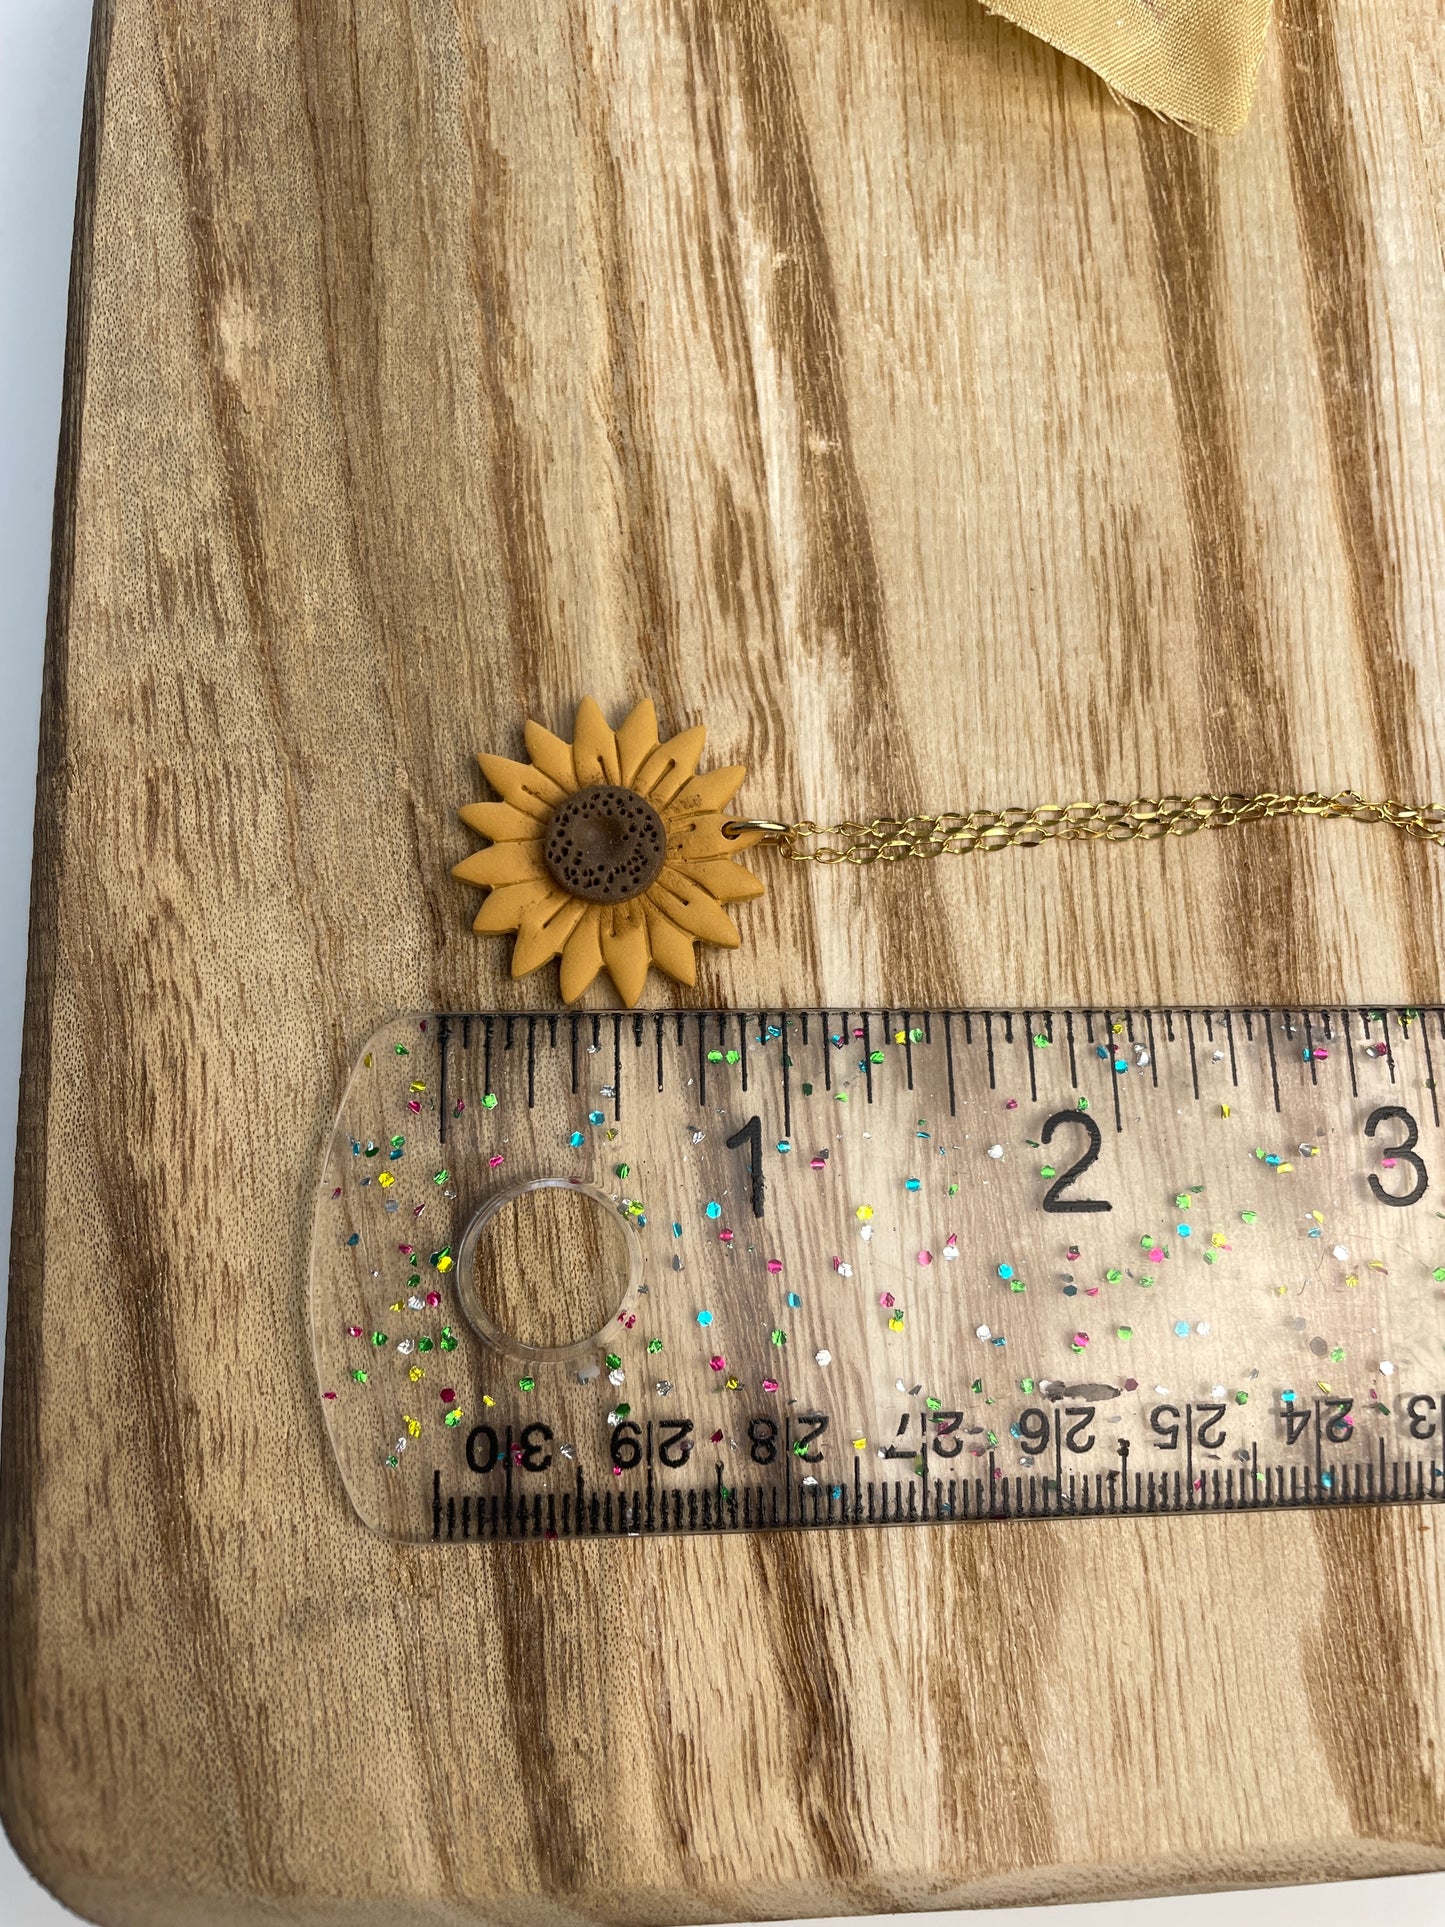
(751, 1135)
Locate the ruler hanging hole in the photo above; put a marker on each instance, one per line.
(545, 1268)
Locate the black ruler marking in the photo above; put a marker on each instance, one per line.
(1430, 1069)
(1193, 1056)
(787, 1066)
(1349, 1030)
(948, 1054)
(988, 1033)
(1189, 1451)
(1273, 1060)
(867, 1022)
(617, 1068)
(1114, 1075)
(1366, 1019)
(1153, 1050)
(444, 1032)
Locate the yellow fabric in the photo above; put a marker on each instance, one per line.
(1194, 60)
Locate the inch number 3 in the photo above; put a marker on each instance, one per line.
(1404, 1153)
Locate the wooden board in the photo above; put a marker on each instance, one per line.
(861, 379)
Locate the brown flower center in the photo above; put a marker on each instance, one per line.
(605, 844)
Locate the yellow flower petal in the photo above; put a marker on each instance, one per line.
(670, 767)
(551, 755)
(543, 930)
(625, 951)
(505, 908)
(636, 740)
(713, 789)
(694, 835)
(504, 863)
(582, 954)
(524, 787)
(671, 948)
(499, 821)
(729, 882)
(594, 747)
(692, 908)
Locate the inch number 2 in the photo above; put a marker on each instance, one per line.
(1054, 1199)
(751, 1135)
(1404, 1151)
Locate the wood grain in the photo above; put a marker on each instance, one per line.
(862, 380)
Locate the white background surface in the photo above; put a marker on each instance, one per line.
(42, 72)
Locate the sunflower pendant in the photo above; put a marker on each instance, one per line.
(609, 852)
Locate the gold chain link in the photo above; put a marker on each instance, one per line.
(888, 839)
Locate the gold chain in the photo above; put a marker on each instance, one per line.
(887, 839)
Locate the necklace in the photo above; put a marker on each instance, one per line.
(615, 851)
(885, 839)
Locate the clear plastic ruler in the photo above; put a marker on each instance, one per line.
(624, 1274)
